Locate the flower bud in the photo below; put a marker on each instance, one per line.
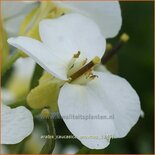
(45, 94)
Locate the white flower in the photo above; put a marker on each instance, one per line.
(85, 91)
(15, 15)
(17, 124)
(106, 14)
(24, 73)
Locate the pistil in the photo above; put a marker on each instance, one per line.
(85, 69)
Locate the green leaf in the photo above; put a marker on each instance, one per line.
(36, 76)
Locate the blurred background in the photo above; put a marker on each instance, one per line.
(134, 62)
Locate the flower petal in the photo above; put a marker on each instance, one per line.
(71, 33)
(120, 99)
(106, 14)
(45, 57)
(12, 25)
(17, 124)
(22, 63)
(15, 8)
(15, 15)
(78, 100)
(109, 95)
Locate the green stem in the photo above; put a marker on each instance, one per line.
(21, 145)
(36, 76)
(10, 62)
(83, 150)
(50, 143)
(109, 54)
(35, 111)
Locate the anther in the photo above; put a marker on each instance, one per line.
(108, 46)
(74, 58)
(77, 54)
(124, 37)
(96, 60)
(93, 77)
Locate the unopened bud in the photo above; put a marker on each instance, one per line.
(45, 113)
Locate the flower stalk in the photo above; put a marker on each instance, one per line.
(123, 39)
(38, 71)
(50, 143)
(83, 150)
(10, 62)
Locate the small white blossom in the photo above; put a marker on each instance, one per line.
(17, 123)
(106, 14)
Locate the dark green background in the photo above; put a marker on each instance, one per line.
(136, 64)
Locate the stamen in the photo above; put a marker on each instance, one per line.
(124, 37)
(75, 57)
(77, 66)
(85, 69)
(108, 46)
(85, 78)
(93, 77)
(77, 54)
(110, 53)
(96, 60)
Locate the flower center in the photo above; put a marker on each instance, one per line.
(80, 72)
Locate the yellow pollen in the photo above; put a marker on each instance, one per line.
(108, 46)
(96, 60)
(124, 37)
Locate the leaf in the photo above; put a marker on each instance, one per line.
(38, 71)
